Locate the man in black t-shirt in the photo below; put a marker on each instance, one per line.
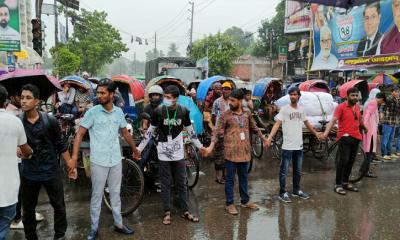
(168, 121)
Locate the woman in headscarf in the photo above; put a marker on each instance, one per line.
(371, 121)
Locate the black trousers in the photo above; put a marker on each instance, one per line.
(30, 193)
(18, 214)
(348, 147)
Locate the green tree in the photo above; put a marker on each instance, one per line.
(69, 62)
(222, 52)
(276, 25)
(173, 51)
(242, 38)
(95, 41)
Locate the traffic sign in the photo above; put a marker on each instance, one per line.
(283, 50)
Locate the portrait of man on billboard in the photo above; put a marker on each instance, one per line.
(391, 39)
(325, 59)
(6, 31)
(372, 18)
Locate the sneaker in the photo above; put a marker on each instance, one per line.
(92, 235)
(301, 195)
(250, 205)
(387, 158)
(17, 225)
(376, 161)
(394, 156)
(284, 197)
(370, 175)
(39, 217)
(231, 209)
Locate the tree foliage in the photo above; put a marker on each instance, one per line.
(95, 41)
(173, 51)
(242, 38)
(222, 52)
(68, 63)
(277, 26)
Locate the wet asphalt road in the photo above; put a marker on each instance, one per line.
(373, 213)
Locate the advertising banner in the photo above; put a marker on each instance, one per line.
(362, 35)
(10, 37)
(297, 17)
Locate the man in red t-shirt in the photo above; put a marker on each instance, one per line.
(349, 119)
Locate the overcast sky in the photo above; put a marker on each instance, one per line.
(169, 18)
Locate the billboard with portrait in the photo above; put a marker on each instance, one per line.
(363, 35)
(10, 38)
(297, 17)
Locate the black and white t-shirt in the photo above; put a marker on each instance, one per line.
(169, 125)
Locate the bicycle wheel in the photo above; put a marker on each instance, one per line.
(192, 165)
(132, 188)
(257, 145)
(277, 145)
(360, 166)
(250, 165)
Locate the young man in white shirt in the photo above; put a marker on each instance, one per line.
(13, 134)
(291, 117)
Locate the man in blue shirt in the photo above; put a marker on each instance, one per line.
(105, 122)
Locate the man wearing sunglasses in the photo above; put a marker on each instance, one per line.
(349, 135)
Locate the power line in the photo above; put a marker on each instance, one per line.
(207, 5)
(261, 14)
(173, 19)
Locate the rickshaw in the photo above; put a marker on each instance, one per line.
(192, 157)
(314, 85)
(362, 86)
(264, 118)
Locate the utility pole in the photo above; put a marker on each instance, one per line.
(155, 42)
(191, 23)
(271, 65)
(56, 33)
(66, 20)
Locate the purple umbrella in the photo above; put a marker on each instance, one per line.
(14, 81)
(339, 3)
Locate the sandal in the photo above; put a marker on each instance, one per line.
(167, 218)
(189, 217)
(220, 181)
(339, 190)
(350, 187)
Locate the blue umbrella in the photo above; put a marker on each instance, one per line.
(195, 114)
(205, 85)
(81, 82)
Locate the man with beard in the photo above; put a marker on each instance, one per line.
(220, 106)
(155, 95)
(349, 119)
(104, 123)
(6, 32)
(325, 60)
(391, 39)
(235, 125)
(291, 117)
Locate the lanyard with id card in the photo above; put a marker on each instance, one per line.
(241, 125)
(169, 137)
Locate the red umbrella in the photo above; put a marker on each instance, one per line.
(362, 86)
(135, 86)
(14, 81)
(372, 86)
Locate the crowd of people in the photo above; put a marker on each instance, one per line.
(34, 139)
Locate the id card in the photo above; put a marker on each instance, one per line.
(242, 136)
(169, 138)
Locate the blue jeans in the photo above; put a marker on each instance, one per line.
(146, 153)
(241, 168)
(296, 156)
(387, 139)
(7, 214)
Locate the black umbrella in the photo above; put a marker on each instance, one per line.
(14, 81)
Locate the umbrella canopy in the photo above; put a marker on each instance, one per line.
(14, 81)
(135, 86)
(165, 81)
(383, 79)
(372, 86)
(80, 82)
(339, 3)
(206, 84)
(261, 86)
(314, 85)
(362, 85)
(195, 114)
